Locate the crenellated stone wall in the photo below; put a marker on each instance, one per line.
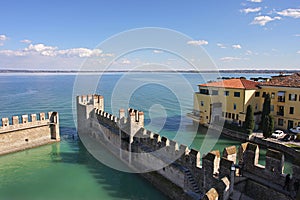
(221, 175)
(28, 131)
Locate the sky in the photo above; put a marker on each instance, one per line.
(63, 35)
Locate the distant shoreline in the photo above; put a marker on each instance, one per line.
(5, 71)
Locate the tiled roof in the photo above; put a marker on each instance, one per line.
(284, 81)
(233, 83)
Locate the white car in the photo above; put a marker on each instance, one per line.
(278, 134)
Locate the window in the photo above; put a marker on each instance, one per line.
(264, 94)
(226, 114)
(237, 116)
(215, 92)
(280, 111)
(272, 108)
(234, 106)
(293, 97)
(229, 115)
(256, 106)
(257, 94)
(226, 93)
(204, 91)
(291, 110)
(237, 94)
(202, 103)
(280, 122)
(233, 116)
(273, 95)
(281, 96)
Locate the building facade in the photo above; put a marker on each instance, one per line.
(228, 100)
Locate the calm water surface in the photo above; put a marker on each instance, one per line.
(66, 170)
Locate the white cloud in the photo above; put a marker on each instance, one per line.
(81, 52)
(297, 35)
(12, 53)
(106, 54)
(298, 52)
(230, 59)
(263, 20)
(251, 10)
(236, 46)
(295, 13)
(125, 61)
(3, 37)
(26, 41)
(255, 1)
(157, 51)
(249, 53)
(51, 51)
(222, 46)
(42, 49)
(197, 42)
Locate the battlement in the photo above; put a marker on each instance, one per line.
(213, 170)
(97, 101)
(26, 120)
(27, 131)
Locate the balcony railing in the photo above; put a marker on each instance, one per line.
(280, 113)
(281, 99)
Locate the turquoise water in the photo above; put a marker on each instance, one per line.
(66, 170)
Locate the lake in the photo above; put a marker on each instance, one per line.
(66, 170)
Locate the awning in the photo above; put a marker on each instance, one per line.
(281, 93)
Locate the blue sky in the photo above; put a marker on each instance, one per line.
(236, 34)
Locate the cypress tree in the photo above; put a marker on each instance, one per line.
(249, 121)
(266, 109)
(268, 126)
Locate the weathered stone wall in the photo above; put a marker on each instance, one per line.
(260, 191)
(182, 165)
(274, 145)
(29, 133)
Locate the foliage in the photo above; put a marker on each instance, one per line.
(268, 126)
(249, 121)
(266, 109)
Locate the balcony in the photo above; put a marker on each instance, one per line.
(281, 99)
(280, 113)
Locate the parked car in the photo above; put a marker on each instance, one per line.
(295, 130)
(293, 137)
(278, 134)
(287, 137)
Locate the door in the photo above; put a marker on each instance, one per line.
(290, 124)
(217, 118)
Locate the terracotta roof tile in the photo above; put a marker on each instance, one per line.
(233, 83)
(284, 81)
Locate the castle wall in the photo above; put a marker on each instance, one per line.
(141, 148)
(254, 189)
(28, 132)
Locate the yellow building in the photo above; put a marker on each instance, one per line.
(228, 99)
(285, 100)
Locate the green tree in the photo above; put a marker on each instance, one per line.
(266, 109)
(249, 121)
(268, 126)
